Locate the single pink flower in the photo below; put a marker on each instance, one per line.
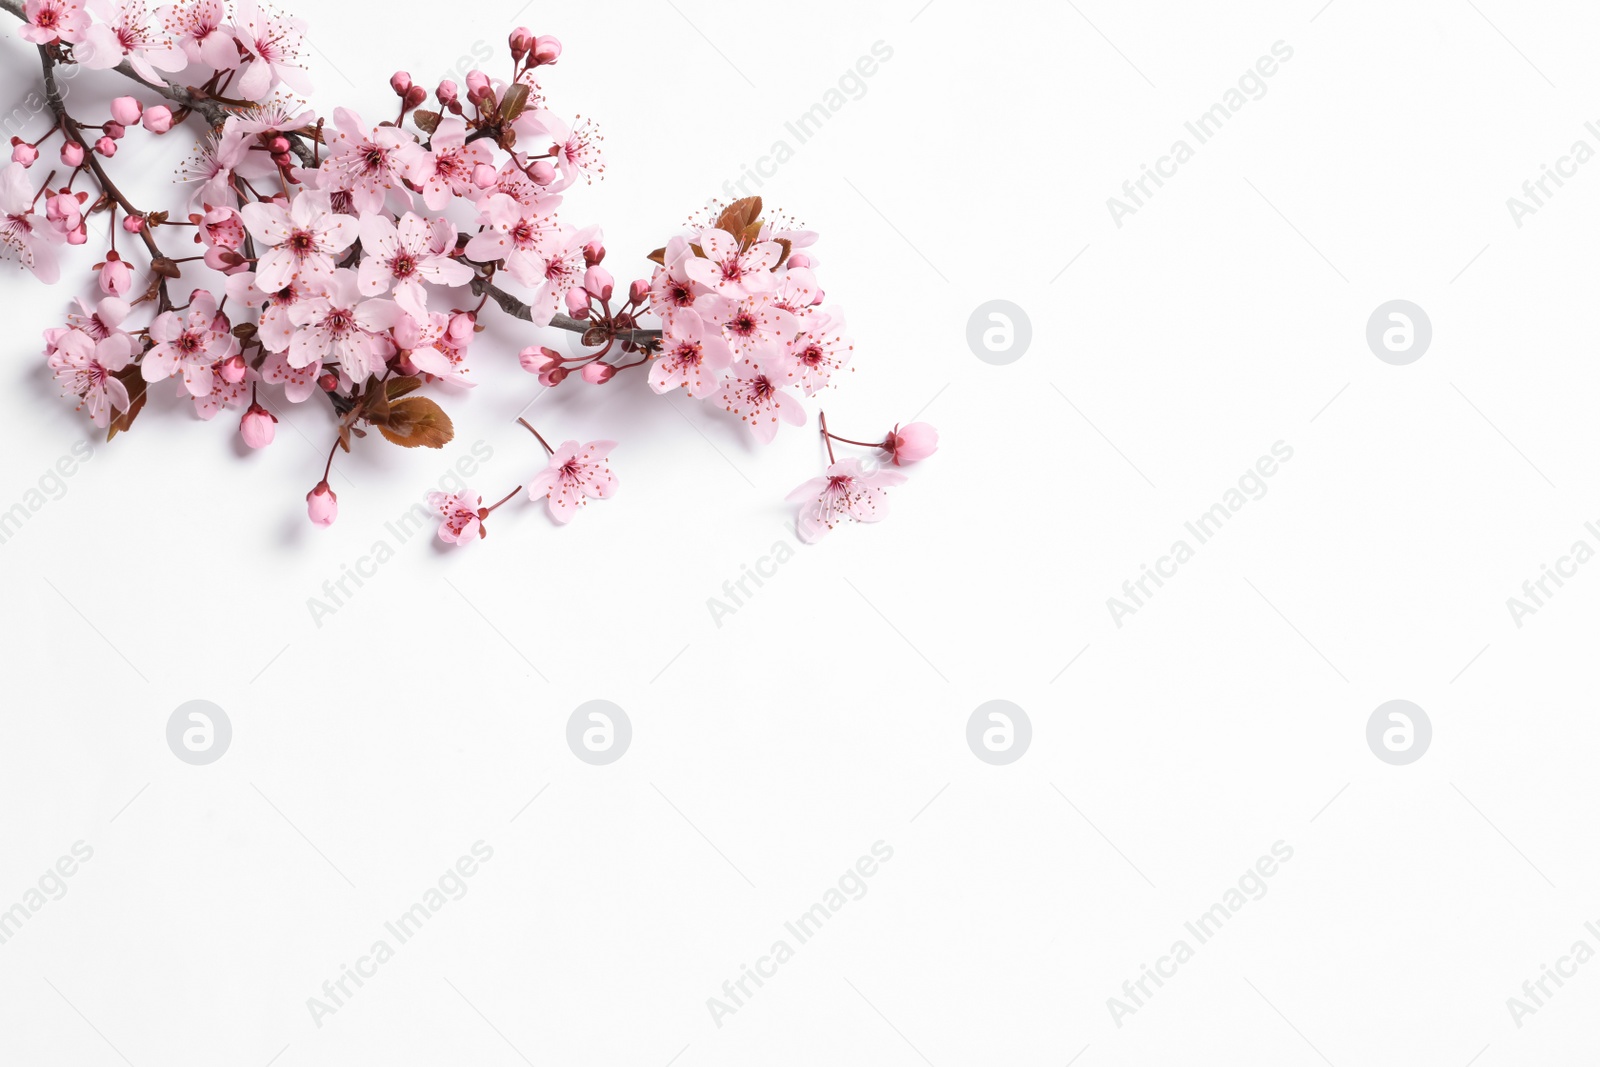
(756, 392)
(272, 42)
(298, 383)
(127, 30)
(847, 490)
(274, 326)
(575, 473)
(367, 162)
(910, 443)
(516, 234)
(322, 504)
(23, 233)
(416, 251)
(691, 356)
(730, 270)
(228, 390)
(301, 241)
(444, 169)
(821, 351)
(53, 20)
(461, 524)
(560, 273)
(84, 367)
(202, 32)
(338, 326)
(189, 345)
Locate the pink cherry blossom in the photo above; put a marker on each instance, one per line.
(756, 393)
(691, 357)
(84, 367)
(367, 162)
(821, 351)
(200, 29)
(274, 328)
(101, 321)
(733, 271)
(416, 251)
(23, 233)
(517, 234)
(575, 473)
(847, 490)
(273, 43)
(461, 524)
(300, 241)
(577, 146)
(54, 20)
(213, 167)
(339, 327)
(127, 30)
(444, 169)
(298, 383)
(559, 274)
(223, 393)
(189, 345)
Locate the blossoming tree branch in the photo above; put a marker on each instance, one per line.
(352, 262)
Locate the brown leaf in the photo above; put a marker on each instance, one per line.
(416, 421)
(132, 380)
(787, 248)
(427, 121)
(739, 214)
(658, 256)
(513, 103)
(395, 388)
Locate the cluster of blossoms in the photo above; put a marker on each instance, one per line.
(352, 261)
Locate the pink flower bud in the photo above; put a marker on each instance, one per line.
(907, 444)
(133, 223)
(115, 130)
(597, 280)
(321, 503)
(106, 147)
(593, 253)
(72, 154)
(78, 236)
(546, 50)
(598, 373)
(542, 172)
(522, 41)
(551, 377)
(400, 82)
(115, 277)
(126, 110)
(638, 290)
(328, 380)
(463, 326)
(447, 92)
(484, 176)
(257, 427)
(157, 119)
(799, 259)
(234, 368)
(416, 96)
(535, 359)
(477, 85)
(24, 153)
(577, 302)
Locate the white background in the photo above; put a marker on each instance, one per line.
(830, 711)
